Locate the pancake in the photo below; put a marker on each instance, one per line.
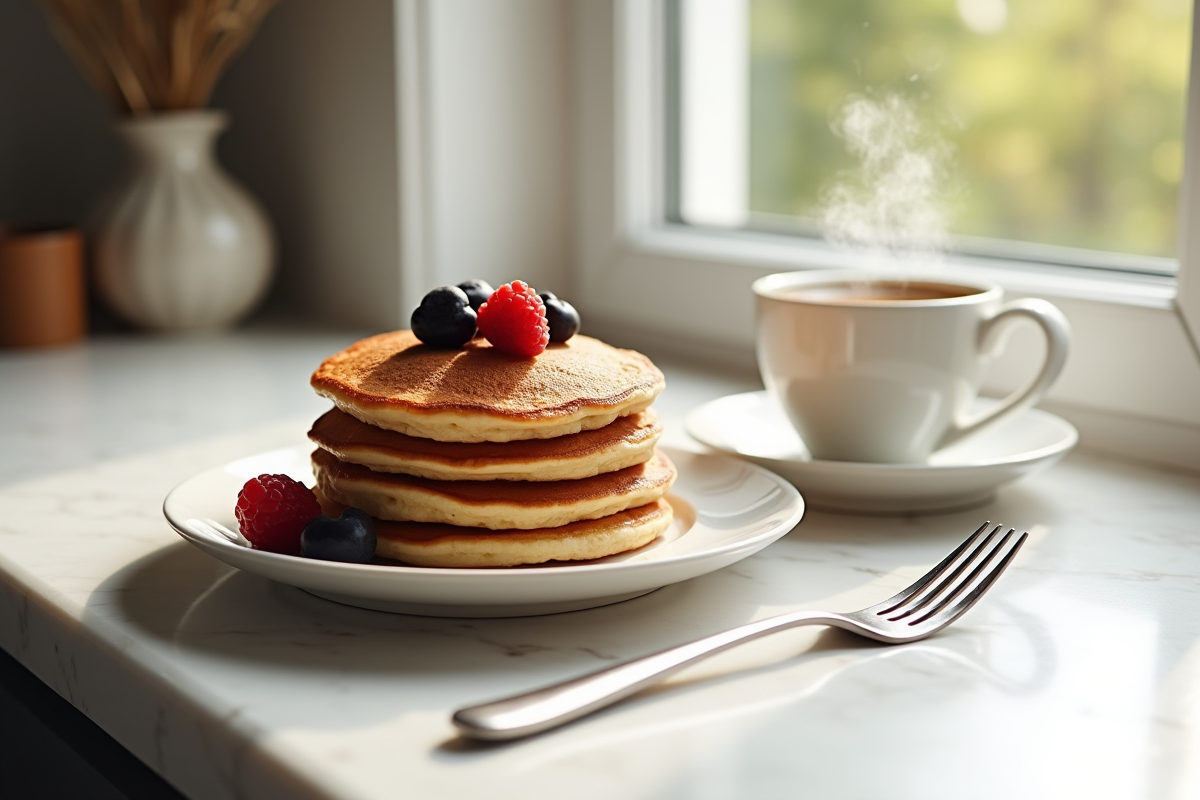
(480, 394)
(497, 505)
(627, 441)
(426, 544)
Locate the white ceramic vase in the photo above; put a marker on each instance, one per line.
(178, 245)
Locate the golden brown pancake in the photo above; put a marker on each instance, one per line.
(497, 505)
(627, 441)
(427, 544)
(480, 394)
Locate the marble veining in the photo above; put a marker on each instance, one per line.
(1079, 673)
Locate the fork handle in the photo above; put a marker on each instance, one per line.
(549, 707)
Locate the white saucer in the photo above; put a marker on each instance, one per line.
(753, 426)
(725, 510)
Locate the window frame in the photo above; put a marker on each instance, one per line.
(630, 260)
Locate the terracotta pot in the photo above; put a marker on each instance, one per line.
(42, 296)
(177, 244)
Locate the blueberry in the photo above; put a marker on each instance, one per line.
(350, 537)
(477, 292)
(561, 316)
(444, 318)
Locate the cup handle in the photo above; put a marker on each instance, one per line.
(1058, 336)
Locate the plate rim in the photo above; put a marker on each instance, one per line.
(500, 574)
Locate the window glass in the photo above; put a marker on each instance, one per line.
(1056, 123)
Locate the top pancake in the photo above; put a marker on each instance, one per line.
(479, 394)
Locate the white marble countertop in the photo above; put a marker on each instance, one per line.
(1078, 676)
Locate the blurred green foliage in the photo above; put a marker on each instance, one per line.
(1065, 116)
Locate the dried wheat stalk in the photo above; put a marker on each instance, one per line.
(155, 55)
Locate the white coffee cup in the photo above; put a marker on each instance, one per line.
(885, 368)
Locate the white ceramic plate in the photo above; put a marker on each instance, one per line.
(753, 426)
(725, 510)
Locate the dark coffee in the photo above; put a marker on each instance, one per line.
(878, 292)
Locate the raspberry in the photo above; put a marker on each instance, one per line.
(514, 320)
(272, 510)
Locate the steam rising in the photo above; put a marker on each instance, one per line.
(892, 205)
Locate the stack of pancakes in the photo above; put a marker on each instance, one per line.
(476, 458)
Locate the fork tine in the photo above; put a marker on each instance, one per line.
(955, 589)
(950, 581)
(897, 600)
(946, 616)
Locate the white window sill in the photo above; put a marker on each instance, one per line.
(775, 253)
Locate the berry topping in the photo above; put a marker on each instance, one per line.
(444, 318)
(350, 537)
(477, 292)
(561, 316)
(514, 320)
(272, 510)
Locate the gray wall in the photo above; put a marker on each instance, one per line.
(56, 152)
(313, 102)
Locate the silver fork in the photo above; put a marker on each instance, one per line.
(940, 597)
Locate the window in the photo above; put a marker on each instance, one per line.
(1132, 382)
(1013, 128)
